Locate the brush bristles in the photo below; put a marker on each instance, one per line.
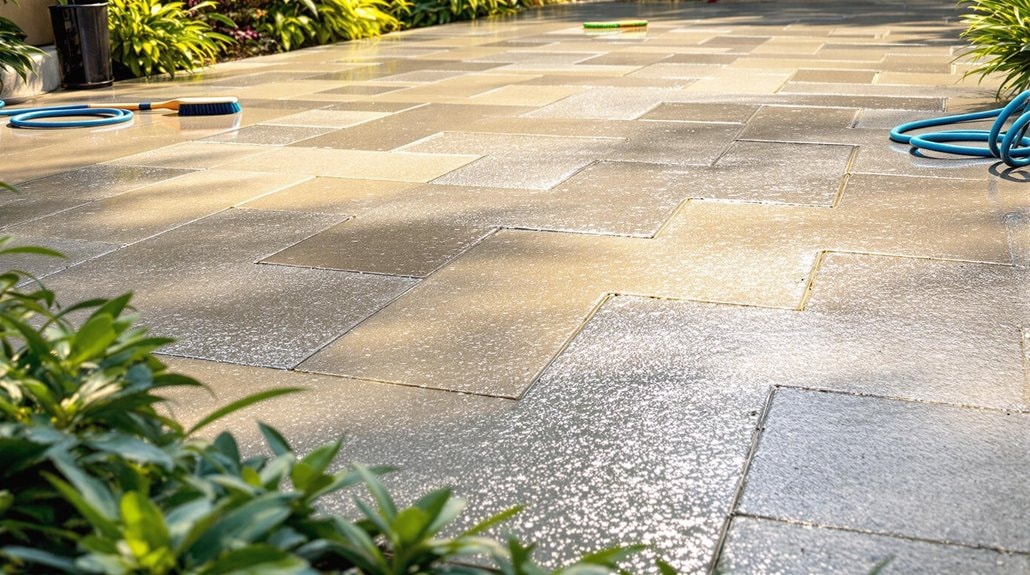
(218, 109)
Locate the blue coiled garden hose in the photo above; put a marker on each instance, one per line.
(1011, 146)
(30, 117)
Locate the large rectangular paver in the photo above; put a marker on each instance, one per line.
(209, 306)
(763, 546)
(395, 166)
(132, 216)
(942, 473)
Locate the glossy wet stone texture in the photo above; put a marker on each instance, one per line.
(627, 445)
(208, 308)
(873, 465)
(636, 235)
(763, 546)
(148, 211)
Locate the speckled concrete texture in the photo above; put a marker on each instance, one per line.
(209, 305)
(571, 269)
(776, 548)
(888, 467)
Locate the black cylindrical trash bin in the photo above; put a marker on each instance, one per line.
(83, 44)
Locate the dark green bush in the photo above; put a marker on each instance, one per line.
(95, 479)
(999, 32)
(419, 13)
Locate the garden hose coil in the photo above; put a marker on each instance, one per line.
(37, 117)
(1011, 146)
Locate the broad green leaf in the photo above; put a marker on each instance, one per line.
(96, 517)
(183, 518)
(259, 560)
(39, 557)
(494, 520)
(133, 449)
(244, 524)
(409, 524)
(145, 528)
(35, 250)
(276, 442)
(240, 404)
(612, 555)
(378, 491)
(666, 569)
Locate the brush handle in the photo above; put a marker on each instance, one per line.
(166, 104)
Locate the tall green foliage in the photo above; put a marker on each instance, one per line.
(152, 37)
(999, 34)
(96, 480)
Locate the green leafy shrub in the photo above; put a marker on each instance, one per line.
(15, 54)
(95, 479)
(432, 12)
(284, 25)
(152, 37)
(999, 32)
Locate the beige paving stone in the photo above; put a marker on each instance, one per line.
(684, 72)
(196, 155)
(514, 161)
(787, 46)
(409, 126)
(522, 95)
(691, 112)
(449, 330)
(796, 124)
(327, 118)
(360, 164)
(625, 59)
(765, 63)
(733, 81)
(854, 52)
(929, 79)
(208, 307)
(326, 195)
(269, 135)
(150, 210)
(49, 195)
(885, 90)
(834, 76)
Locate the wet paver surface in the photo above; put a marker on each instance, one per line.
(672, 287)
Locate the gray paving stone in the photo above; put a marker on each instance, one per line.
(772, 547)
(935, 472)
(627, 445)
(209, 305)
(269, 135)
(788, 124)
(52, 194)
(421, 231)
(608, 104)
(688, 112)
(406, 127)
(791, 173)
(144, 212)
(515, 161)
(74, 251)
(835, 76)
(960, 293)
(682, 143)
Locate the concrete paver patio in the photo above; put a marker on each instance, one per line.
(673, 287)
